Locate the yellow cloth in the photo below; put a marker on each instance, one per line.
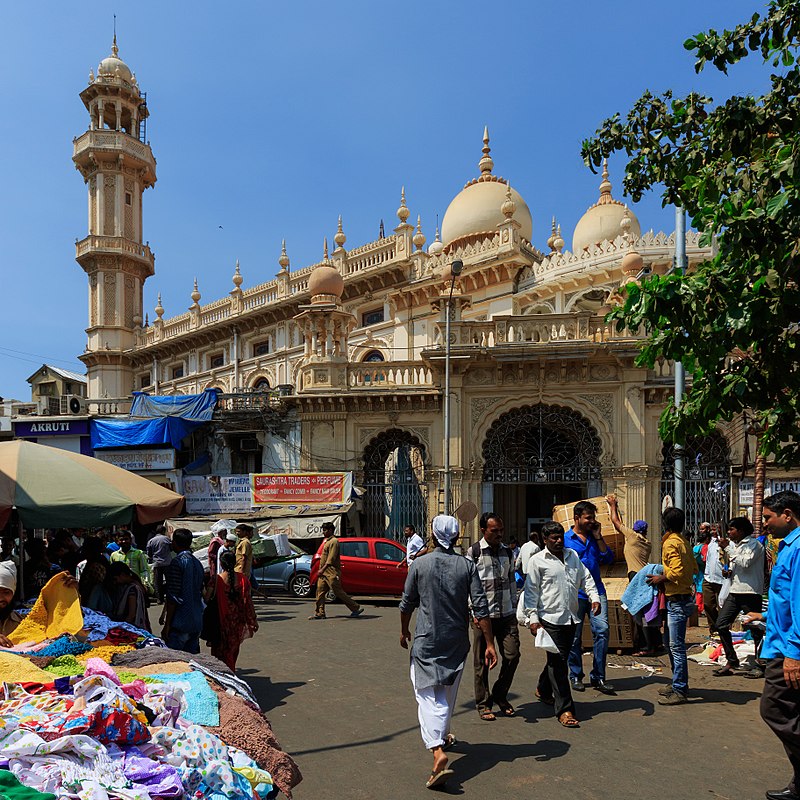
(106, 652)
(15, 669)
(167, 668)
(57, 611)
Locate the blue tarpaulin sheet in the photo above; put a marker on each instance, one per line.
(186, 406)
(134, 433)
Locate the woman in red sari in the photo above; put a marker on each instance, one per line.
(236, 611)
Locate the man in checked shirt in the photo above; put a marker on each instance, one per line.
(495, 563)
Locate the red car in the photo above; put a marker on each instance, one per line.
(369, 565)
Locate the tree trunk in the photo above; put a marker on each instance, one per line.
(759, 483)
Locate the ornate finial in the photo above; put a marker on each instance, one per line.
(558, 241)
(237, 275)
(114, 48)
(284, 259)
(146, 320)
(625, 225)
(419, 236)
(91, 76)
(403, 213)
(325, 249)
(552, 237)
(159, 307)
(381, 231)
(486, 165)
(195, 293)
(436, 246)
(340, 238)
(509, 206)
(605, 184)
(137, 320)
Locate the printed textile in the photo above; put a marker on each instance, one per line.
(203, 706)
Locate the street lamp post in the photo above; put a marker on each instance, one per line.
(455, 271)
(680, 377)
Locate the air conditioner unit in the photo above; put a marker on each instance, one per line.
(250, 445)
(72, 404)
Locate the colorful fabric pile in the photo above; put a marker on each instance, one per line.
(106, 711)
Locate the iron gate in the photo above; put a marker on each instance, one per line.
(707, 471)
(394, 485)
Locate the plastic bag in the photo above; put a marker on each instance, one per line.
(545, 641)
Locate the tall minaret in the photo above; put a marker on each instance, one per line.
(117, 164)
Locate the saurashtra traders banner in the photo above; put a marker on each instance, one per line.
(306, 487)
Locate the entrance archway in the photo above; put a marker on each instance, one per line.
(535, 457)
(394, 484)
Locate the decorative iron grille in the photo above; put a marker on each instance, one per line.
(394, 485)
(541, 444)
(707, 474)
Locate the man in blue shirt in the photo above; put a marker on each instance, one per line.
(586, 539)
(780, 703)
(182, 617)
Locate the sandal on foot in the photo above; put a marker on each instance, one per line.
(550, 701)
(488, 716)
(722, 672)
(439, 778)
(507, 710)
(567, 719)
(449, 742)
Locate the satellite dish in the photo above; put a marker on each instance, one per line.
(666, 503)
(467, 511)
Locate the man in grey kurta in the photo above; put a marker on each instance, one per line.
(440, 585)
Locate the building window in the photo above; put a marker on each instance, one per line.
(144, 380)
(373, 317)
(67, 388)
(177, 372)
(217, 360)
(373, 357)
(128, 199)
(261, 348)
(47, 390)
(261, 385)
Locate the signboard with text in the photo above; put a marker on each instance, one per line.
(298, 488)
(138, 460)
(773, 486)
(211, 494)
(61, 427)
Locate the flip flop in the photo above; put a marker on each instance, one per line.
(488, 716)
(449, 742)
(439, 778)
(508, 710)
(722, 672)
(568, 720)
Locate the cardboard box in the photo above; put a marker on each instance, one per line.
(616, 541)
(620, 624)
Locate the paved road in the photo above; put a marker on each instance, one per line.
(339, 699)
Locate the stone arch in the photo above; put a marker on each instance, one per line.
(260, 375)
(600, 422)
(539, 307)
(592, 298)
(541, 443)
(217, 383)
(360, 351)
(394, 463)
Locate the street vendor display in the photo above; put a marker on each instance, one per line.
(91, 708)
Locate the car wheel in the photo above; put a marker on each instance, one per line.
(300, 585)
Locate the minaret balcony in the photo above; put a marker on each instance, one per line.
(114, 142)
(116, 245)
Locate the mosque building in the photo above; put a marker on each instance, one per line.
(339, 365)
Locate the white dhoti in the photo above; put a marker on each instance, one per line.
(435, 708)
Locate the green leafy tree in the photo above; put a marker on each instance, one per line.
(734, 166)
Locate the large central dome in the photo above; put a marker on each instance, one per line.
(477, 208)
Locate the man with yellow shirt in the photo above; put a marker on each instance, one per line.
(678, 584)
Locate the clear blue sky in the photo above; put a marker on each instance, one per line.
(271, 119)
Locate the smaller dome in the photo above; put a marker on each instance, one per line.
(603, 221)
(325, 280)
(113, 66)
(632, 263)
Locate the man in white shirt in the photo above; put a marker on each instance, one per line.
(555, 575)
(415, 544)
(745, 555)
(530, 548)
(712, 579)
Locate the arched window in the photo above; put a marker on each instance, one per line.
(261, 385)
(373, 357)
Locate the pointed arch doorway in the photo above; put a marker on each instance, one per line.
(535, 457)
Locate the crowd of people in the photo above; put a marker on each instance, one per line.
(120, 580)
(552, 583)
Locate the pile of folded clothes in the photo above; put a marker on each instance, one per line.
(95, 709)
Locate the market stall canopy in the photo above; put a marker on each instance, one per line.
(53, 488)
